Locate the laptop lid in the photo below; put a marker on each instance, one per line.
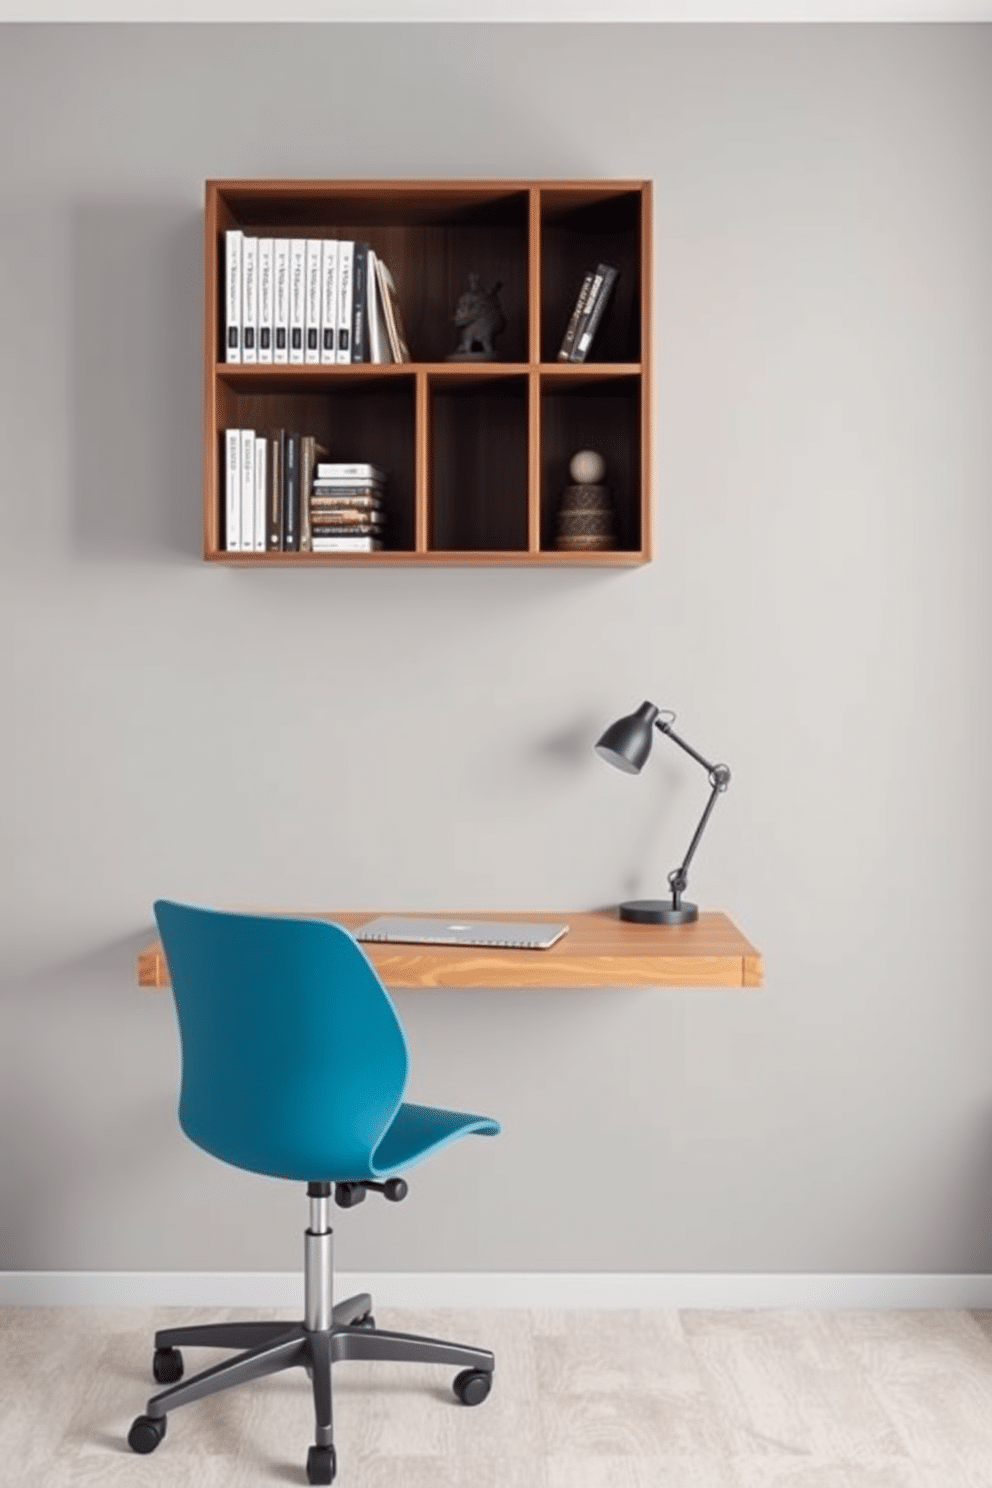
(427, 930)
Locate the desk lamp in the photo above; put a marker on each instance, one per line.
(627, 744)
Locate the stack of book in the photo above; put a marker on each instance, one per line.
(309, 300)
(590, 303)
(267, 480)
(347, 508)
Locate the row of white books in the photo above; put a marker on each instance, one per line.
(245, 491)
(309, 301)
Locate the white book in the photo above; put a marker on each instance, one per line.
(261, 491)
(341, 470)
(346, 544)
(280, 301)
(266, 248)
(247, 490)
(249, 300)
(233, 239)
(314, 287)
(329, 303)
(297, 297)
(346, 259)
(232, 490)
(379, 347)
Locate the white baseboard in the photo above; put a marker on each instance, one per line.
(521, 1289)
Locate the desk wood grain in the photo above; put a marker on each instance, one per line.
(600, 950)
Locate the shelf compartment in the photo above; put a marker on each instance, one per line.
(478, 463)
(581, 227)
(430, 236)
(351, 418)
(601, 413)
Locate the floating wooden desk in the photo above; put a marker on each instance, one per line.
(600, 950)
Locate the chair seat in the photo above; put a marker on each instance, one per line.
(417, 1131)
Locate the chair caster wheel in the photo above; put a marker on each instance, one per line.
(366, 1323)
(321, 1465)
(146, 1433)
(472, 1386)
(167, 1366)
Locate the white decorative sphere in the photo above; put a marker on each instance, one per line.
(587, 468)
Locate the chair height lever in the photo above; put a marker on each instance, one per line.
(347, 1195)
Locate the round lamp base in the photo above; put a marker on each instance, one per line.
(658, 912)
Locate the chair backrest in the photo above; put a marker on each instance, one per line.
(293, 1058)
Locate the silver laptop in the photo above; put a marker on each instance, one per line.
(422, 930)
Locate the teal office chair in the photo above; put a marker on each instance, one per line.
(294, 1065)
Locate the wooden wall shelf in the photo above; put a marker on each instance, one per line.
(476, 453)
(600, 950)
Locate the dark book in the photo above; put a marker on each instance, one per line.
(360, 303)
(291, 493)
(273, 487)
(568, 340)
(606, 277)
(591, 296)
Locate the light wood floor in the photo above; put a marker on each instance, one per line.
(581, 1400)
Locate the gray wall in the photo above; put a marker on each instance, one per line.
(817, 614)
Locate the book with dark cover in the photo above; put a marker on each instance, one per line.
(592, 295)
(568, 340)
(360, 303)
(606, 275)
(291, 493)
(273, 516)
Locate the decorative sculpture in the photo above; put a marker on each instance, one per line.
(586, 519)
(480, 316)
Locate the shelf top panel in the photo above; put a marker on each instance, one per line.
(600, 950)
(485, 202)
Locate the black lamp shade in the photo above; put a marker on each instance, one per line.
(627, 743)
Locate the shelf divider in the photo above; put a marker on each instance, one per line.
(534, 462)
(422, 461)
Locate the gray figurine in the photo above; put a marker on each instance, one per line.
(480, 316)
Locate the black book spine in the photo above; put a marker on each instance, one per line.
(291, 494)
(360, 304)
(606, 275)
(568, 340)
(273, 517)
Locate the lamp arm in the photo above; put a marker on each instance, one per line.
(664, 725)
(719, 776)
